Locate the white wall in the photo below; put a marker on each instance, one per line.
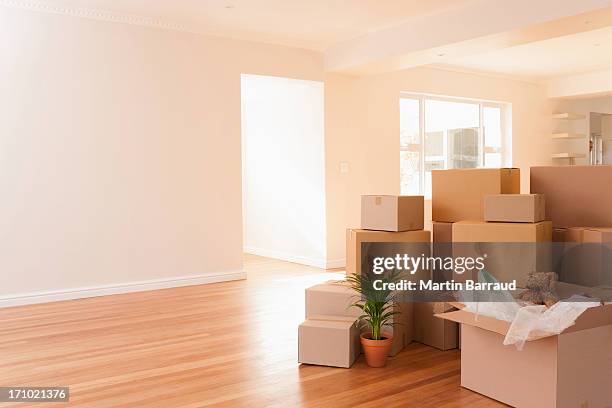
(284, 163)
(120, 161)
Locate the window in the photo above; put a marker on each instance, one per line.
(446, 133)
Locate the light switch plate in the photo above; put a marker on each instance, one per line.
(344, 167)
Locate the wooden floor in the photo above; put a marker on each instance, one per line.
(229, 344)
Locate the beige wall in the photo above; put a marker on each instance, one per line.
(120, 153)
(362, 128)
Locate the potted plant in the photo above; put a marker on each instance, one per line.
(378, 311)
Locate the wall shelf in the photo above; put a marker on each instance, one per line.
(568, 156)
(568, 116)
(567, 136)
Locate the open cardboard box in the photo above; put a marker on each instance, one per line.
(571, 369)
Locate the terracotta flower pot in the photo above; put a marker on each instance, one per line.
(376, 351)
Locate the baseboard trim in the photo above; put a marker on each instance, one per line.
(302, 260)
(105, 290)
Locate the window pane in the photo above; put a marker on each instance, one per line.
(409, 122)
(491, 122)
(493, 160)
(451, 137)
(409, 173)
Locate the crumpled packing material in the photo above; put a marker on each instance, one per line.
(527, 322)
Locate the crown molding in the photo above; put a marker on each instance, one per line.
(98, 14)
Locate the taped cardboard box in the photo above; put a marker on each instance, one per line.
(571, 369)
(512, 250)
(334, 298)
(329, 340)
(575, 195)
(432, 331)
(458, 194)
(392, 213)
(514, 208)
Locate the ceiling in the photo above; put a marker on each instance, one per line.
(311, 24)
(567, 55)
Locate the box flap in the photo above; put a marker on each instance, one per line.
(471, 319)
(591, 318)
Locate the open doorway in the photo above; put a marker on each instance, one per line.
(283, 169)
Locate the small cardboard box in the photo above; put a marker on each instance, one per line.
(432, 331)
(514, 208)
(329, 341)
(458, 194)
(392, 213)
(504, 260)
(575, 195)
(571, 369)
(333, 298)
(355, 237)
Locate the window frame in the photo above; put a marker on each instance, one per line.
(505, 130)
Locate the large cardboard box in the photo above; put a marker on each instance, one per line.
(432, 331)
(392, 213)
(356, 237)
(334, 298)
(587, 256)
(571, 369)
(458, 194)
(511, 250)
(514, 208)
(329, 340)
(575, 195)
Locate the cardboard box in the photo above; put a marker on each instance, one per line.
(392, 213)
(458, 194)
(334, 298)
(587, 256)
(432, 331)
(329, 341)
(571, 369)
(331, 298)
(355, 238)
(515, 248)
(575, 195)
(514, 208)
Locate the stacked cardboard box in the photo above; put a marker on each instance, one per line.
(330, 334)
(543, 374)
(397, 222)
(457, 195)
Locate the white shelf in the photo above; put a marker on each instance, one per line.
(568, 156)
(567, 136)
(568, 116)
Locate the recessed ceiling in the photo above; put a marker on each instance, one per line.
(312, 24)
(567, 55)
